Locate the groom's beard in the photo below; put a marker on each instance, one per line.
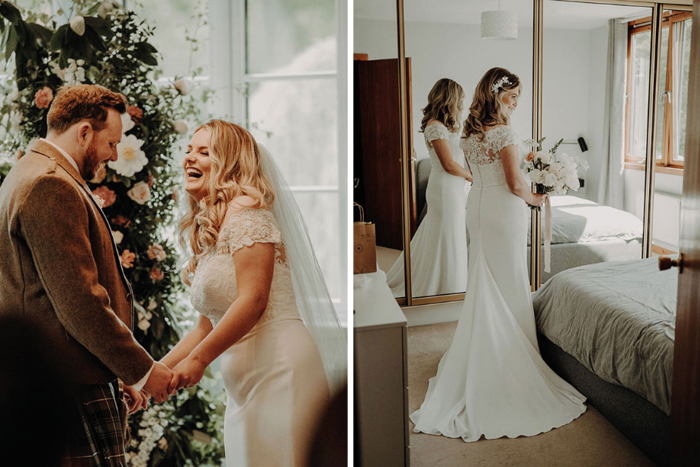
(91, 163)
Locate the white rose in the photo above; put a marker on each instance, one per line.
(140, 193)
(184, 86)
(555, 167)
(180, 127)
(118, 236)
(545, 157)
(535, 175)
(550, 180)
(77, 24)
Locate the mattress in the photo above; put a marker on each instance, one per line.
(618, 320)
(578, 220)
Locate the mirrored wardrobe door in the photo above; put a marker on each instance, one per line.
(446, 57)
(377, 132)
(596, 72)
(670, 151)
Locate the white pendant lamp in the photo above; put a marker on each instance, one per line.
(499, 25)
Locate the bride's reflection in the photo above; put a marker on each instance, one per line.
(439, 246)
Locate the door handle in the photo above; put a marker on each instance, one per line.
(666, 262)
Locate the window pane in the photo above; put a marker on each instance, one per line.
(683, 55)
(290, 36)
(322, 215)
(663, 96)
(301, 118)
(638, 95)
(174, 21)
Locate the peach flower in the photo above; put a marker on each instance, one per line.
(127, 259)
(122, 221)
(135, 112)
(157, 274)
(530, 156)
(156, 252)
(140, 193)
(107, 195)
(43, 97)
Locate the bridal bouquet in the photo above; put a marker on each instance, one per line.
(551, 173)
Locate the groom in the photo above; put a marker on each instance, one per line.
(60, 271)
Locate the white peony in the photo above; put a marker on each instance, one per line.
(118, 236)
(127, 122)
(131, 158)
(184, 86)
(536, 176)
(550, 180)
(77, 24)
(140, 193)
(545, 157)
(180, 127)
(555, 168)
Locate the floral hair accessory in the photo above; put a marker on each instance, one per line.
(499, 84)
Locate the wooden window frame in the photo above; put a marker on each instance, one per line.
(666, 164)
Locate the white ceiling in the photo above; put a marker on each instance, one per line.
(557, 14)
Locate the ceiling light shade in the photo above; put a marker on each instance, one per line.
(499, 25)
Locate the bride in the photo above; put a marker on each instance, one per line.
(442, 236)
(263, 303)
(492, 382)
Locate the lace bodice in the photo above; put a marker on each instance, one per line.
(439, 131)
(214, 285)
(484, 156)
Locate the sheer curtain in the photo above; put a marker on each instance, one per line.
(611, 187)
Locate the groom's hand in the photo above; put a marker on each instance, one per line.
(158, 381)
(134, 399)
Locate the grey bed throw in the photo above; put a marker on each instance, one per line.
(617, 319)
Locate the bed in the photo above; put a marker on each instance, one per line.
(609, 329)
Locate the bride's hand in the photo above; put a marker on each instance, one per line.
(537, 199)
(186, 374)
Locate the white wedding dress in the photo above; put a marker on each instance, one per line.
(492, 381)
(439, 246)
(274, 377)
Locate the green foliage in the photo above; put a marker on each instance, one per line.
(115, 51)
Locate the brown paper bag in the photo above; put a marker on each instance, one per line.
(365, 246)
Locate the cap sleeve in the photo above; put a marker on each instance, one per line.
(506, 137)
(248, 227)
(435, 131)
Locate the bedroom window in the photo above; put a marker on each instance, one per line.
(673, 95)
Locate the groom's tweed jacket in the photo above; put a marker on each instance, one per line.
(59, 269)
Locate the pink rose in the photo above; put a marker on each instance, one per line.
(140, 193)
(127, 259)
(156, 252)
(157, 274)
(43, 97)
(122, 221)
(107, 195)
(135, 113)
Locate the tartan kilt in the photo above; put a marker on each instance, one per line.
(99, 440)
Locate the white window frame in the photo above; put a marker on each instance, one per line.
(227, 75)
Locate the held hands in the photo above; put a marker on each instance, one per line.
(186, 374)
(158, 382)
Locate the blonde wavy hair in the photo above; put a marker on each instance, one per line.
(235, 171)
(444, 104)
(487, 107)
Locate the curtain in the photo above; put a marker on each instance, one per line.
(612, 187)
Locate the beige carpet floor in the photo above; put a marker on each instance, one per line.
(589, 440)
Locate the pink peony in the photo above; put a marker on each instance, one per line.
(156, 252)
(157, 274)
(43, 97)
(135, 113)
(127, 259)
(140, 193)
(107, 195)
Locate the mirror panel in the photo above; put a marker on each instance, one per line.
(596, 69)
(443, 40)
(377, 130)
(670, 143)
